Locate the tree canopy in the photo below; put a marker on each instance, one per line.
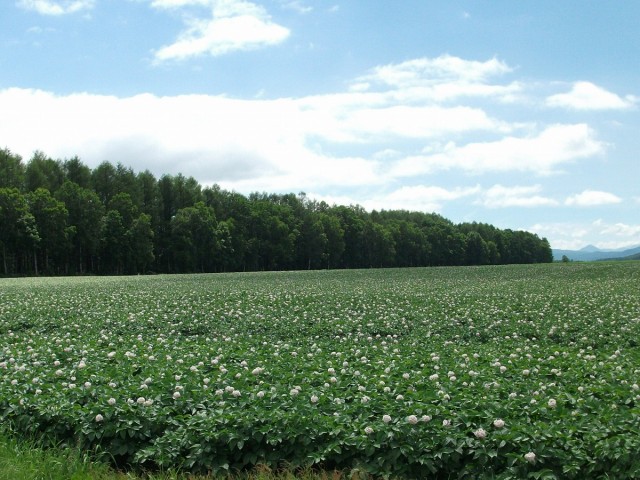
(60, 217)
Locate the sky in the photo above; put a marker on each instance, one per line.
(524, 115)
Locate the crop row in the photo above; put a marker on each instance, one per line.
(505, 371)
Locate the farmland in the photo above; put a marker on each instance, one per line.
(503, 370)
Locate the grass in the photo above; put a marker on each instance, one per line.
(23, 460)
(26, 460)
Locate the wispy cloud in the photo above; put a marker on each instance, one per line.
(591, 198)
(500, 196)
(440, 79)
(54, 8)
(232, 25)
(423, 71)
(298, 6)
(587, 96)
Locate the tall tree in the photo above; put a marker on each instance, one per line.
(103, 182)
(194, 238)
(140, 237)
(335, 239)
(314, 242)
(476, 249)
(77, 172)
(85, 215)
(51, 217)
(123, 204)
(114, 247)
(11, 170)
(43, 172)
(18, 232)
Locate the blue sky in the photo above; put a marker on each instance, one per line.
(520, 114)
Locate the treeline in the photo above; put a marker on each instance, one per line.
(60, 217)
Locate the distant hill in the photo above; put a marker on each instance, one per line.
(635, 256)
(591, 253)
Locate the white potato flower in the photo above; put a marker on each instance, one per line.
(480, 433)
(412, 419)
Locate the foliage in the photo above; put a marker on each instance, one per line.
(494, 371)
(110, 220)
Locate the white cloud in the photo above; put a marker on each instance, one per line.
(421, 198)
(316, 143)
(565, 235)
(617, 229)
(181, 3)
(297, 6)
(590, 198)
(199, 135)
(576, 235)
(539, 154)
(60, 7)
(413, 122)
(234, 25)
(426, 71)
(587, 96)
(439, 79)
(207, 137)
(500, 196)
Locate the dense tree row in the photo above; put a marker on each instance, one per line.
(61, 217)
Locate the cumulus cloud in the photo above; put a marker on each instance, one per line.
(540, 154)
(233, 25)
(590, 198)
(499, 196)
(587, 96)
(200, 135)
(54, 8)
(366, 139)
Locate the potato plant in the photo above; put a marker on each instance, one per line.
(496, 372)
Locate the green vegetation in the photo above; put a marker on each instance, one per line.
(496, 371)
(62, 218)
(22, 460)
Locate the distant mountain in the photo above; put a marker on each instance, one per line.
(591, 253)
(590, 248)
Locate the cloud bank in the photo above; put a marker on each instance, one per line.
(385, 142)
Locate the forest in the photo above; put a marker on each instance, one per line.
(60, 217)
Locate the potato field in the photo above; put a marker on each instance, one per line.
(458, 372)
